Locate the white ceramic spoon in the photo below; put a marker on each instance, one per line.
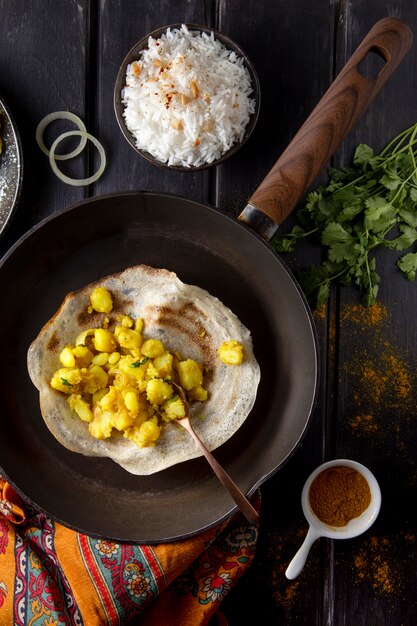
(317, 528)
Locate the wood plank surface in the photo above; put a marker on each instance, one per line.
(64, 55)
(119, 26)
(363, 580)
(42, 69)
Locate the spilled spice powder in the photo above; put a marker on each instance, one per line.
(379, 377)
(400, 379)
(373, 566)
(384, 378)
(319, 313)
(289, 592)
(285, 592)
(377, 563)
(364, 423)
(364, 316)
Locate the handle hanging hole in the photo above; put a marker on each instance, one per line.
(372, 64)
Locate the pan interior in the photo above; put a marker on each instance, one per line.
(205, 248)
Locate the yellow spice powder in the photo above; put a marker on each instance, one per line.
(364, 316)
(365, 423)
(372, 565)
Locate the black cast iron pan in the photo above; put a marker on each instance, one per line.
(204, 247)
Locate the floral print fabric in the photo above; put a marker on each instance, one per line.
(53, 576)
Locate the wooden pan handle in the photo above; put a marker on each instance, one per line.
(334, 116)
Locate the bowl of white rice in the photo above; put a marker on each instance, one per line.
(186, 97)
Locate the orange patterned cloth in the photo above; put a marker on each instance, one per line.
(51, 575)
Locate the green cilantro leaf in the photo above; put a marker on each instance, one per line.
(287, 244)
(335, 233)
(408, 265)
(405, 240)
(390, 182)
(380, 214)
(363, 154)
(408, 213)
(355, 213)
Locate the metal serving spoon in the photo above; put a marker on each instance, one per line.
(243, 503)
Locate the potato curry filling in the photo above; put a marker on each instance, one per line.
(116, 379)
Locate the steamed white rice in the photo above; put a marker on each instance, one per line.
(187, 98)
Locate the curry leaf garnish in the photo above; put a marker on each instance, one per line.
(368, 205)
(139, 363)
(66, 382)
(173, 399)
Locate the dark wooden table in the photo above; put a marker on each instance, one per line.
(64, 54)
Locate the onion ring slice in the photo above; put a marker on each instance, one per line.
(60, 115)
(77, 182)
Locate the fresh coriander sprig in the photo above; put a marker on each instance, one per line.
(371, 203)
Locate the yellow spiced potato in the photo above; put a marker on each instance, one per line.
(128, 338)
(152, 348)
(93, 379)
(190, 374)
(173, 409)
(198, 393)
(79, 356)
(231, 352)
(119, 381)
(102, 425)
(131, 400)
(67, 358)
(134, 368)
(157, 391)
(101, 358)
(126, 321)
(66, 379)
(163, 364)
(104, 340)
(101, 300)
(82, 355)
(81, 407)
(146, 434)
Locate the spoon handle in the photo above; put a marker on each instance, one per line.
(243, 503)
(298, 561)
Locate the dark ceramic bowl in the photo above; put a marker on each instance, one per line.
(133, 55)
